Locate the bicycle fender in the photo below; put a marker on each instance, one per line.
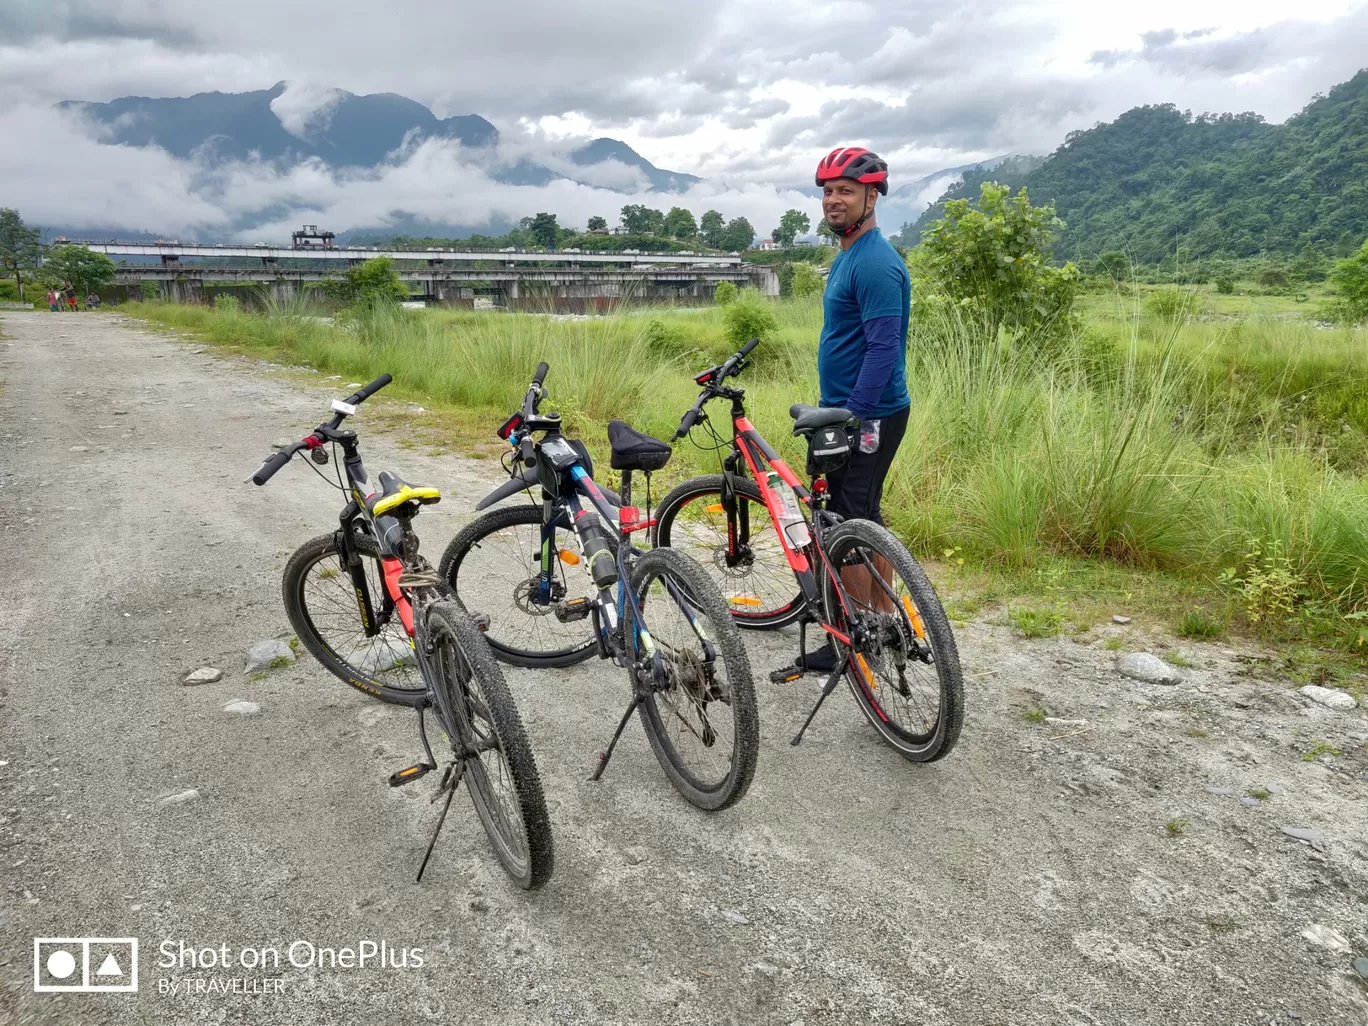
(521, 482)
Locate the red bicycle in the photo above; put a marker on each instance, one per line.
(758, 529)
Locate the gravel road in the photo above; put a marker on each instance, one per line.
(1074, 869)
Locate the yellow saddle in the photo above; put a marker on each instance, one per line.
(394, 492)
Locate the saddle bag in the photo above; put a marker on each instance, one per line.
(828, 449)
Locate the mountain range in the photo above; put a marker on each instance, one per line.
(342, 129)
(1158, 182)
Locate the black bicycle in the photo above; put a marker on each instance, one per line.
(779, 555)
(690, 677)
(372, 610)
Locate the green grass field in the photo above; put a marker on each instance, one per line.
(1213, 462)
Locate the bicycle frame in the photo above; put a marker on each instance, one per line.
(749, 445)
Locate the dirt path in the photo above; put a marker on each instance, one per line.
(1029, 878)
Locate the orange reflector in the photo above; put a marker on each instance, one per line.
(869, 674)
(745, 600)
(714, 507)
(569, 558)
(914, 616)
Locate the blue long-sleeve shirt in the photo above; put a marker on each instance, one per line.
(861, 359)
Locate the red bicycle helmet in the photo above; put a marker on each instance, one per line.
(854, 162)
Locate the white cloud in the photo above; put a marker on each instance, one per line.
(306, 107)
(749, 95)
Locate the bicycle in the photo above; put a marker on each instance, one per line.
(690, 678)
(855, 581)
(415, 648)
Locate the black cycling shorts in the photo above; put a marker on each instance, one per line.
(857, 488)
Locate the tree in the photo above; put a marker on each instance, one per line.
(711, 226)
(824, 232)
(680, 224)
(1350, 282)
(724, 294)
(806, 281)
(738, 234)
(87, 270)
(368, 284)
(544, 230)
(992, 263)
(793, 224)
(1115, 265)
(640, 219)
(19, 249)
(596, 224)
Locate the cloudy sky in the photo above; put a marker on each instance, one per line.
(747, 94)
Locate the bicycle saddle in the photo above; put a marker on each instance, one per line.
(633, 450)
(807, 419)
(394, 492)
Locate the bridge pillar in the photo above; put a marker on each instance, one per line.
(510, 289)
(282, 290)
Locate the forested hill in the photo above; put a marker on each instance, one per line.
(1227, 185)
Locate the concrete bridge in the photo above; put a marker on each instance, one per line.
(441, 274)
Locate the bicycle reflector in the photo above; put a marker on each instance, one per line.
(510, 425)
(705, 377)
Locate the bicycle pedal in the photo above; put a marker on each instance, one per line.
(480, 620)
(409, 775)
(785, 676)
(570, 610)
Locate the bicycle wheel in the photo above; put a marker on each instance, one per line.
(703, 726)
(502, 779)
(905, 670)
(493, 566)
(322, 606)
(759, 590)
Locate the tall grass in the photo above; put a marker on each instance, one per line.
(1146, 440)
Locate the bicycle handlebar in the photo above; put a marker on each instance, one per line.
(362, 394)
(710, 379)
(276, 460)
(540, 376)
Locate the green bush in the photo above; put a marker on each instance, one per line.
(1272, 277)
(1225, 285)
(1350, 282)
(9, 292)
(1170, 303)
(725, 293)
(749, 316)
(228, 304)
(367, 284)
(667, 340)
(806, 281)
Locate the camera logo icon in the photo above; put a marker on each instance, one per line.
(85, 965)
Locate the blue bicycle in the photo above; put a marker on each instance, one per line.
(515, 568)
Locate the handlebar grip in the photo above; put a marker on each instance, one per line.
(273, 463)
(362, 394)
(540, 376)
(688, 421)
(746, 349)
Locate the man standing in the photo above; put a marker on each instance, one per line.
(861, 358)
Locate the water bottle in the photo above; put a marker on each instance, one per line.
(791, 520)
(597, 550)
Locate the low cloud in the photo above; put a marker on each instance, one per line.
(435, 181)
(306, 107)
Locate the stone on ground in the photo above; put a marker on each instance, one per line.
(1323, 936)
(261, 655)
(177, 799)
(1148, 668)
(204, 675)
(241, 707)
(1330, 698)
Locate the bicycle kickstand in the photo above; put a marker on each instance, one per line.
(451, 779)
(827, 689)
(607, 753)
